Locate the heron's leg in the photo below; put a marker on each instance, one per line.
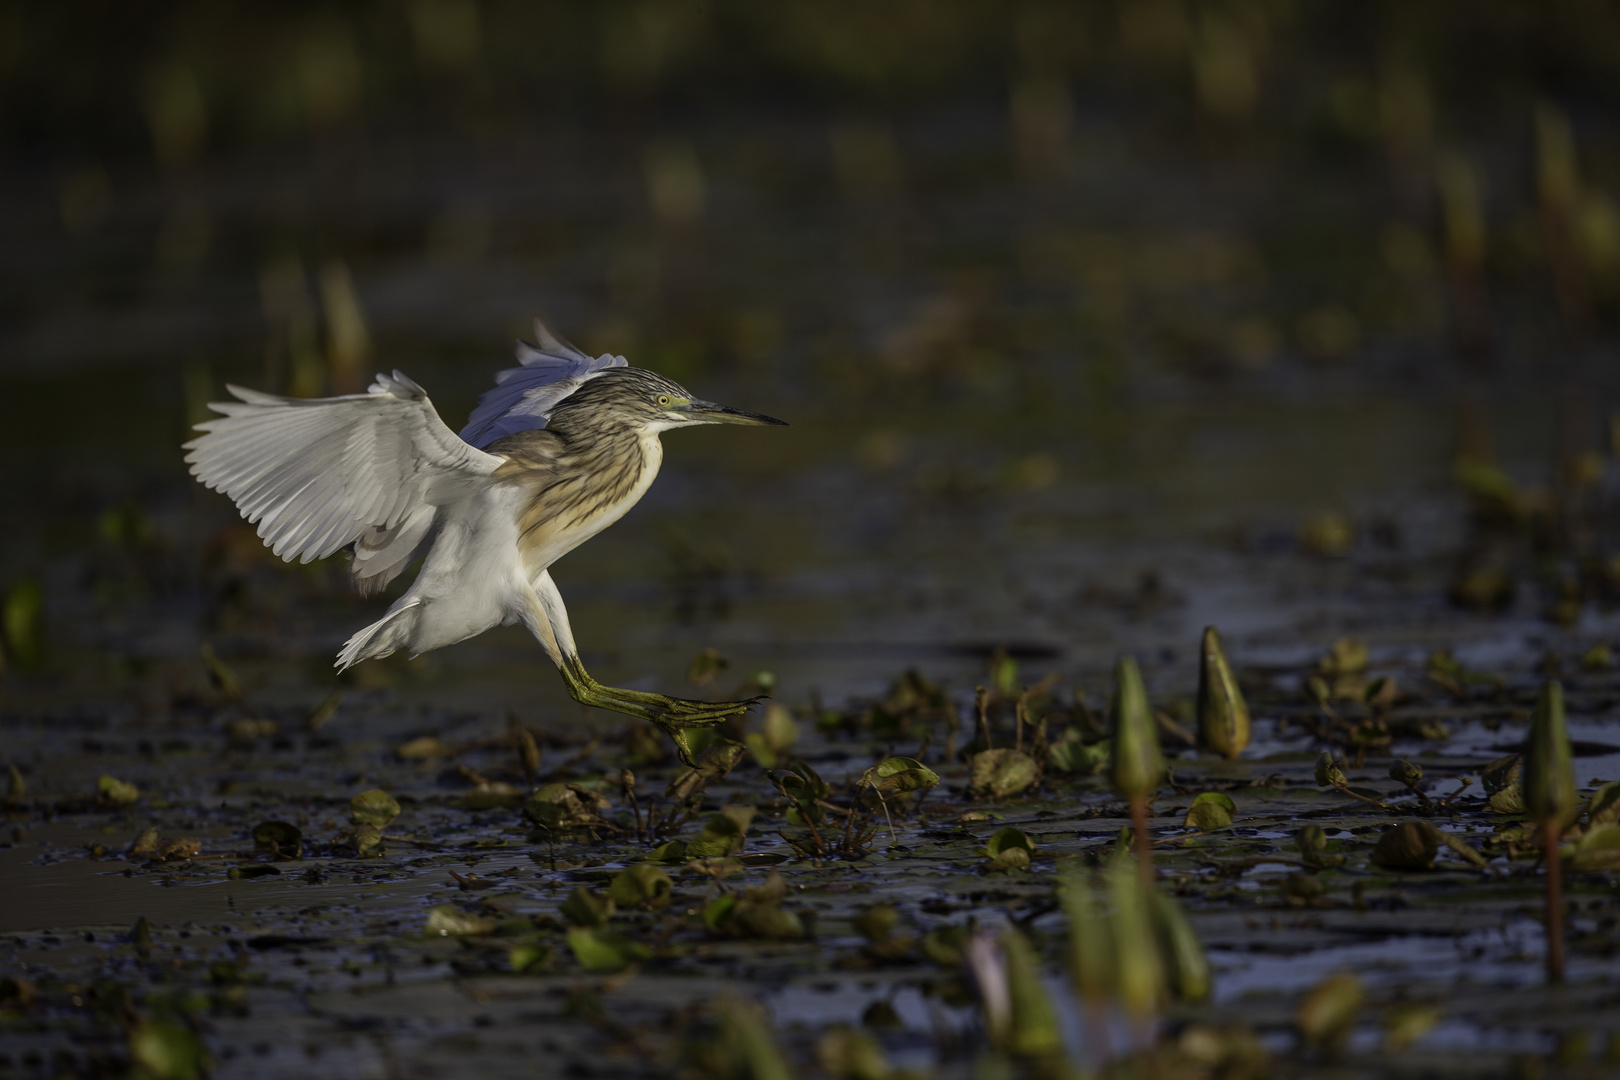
(674, 715)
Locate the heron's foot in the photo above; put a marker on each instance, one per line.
(674, 715)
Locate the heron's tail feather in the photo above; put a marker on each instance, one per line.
(380, 638)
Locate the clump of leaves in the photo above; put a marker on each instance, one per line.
(1074, 756)
(565, 806)
(719, 759)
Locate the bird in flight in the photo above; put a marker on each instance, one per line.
(559, 450)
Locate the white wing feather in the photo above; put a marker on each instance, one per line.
(318, 474)
(524, 396)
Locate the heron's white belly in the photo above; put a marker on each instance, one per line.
(472, 578)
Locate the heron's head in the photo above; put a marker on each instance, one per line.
(645, 401)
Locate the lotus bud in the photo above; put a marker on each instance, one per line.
(1405, 771)
(1091, 945)
(1328, 773)
(1138, 972)
(1035, 1031)
(1138, 765)
(1186, 968)
(1223, 716)
(1549, 772)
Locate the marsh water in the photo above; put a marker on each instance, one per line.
(1053, 402)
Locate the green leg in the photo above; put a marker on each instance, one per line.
(674, 715)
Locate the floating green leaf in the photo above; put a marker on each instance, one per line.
(603, 952)
(145, 845)
(111, 791)
(999, 774)
(1597, 849)
(1312, 841)
(1508, 800)
(1411, 845)
(1502, 773)
(1328, 773)
(1009, 849)
(643, 886)
(447, 920)
(1211, 810)
(374, 807)
(847, 1054)
(281, 838)
(168, 1051)
(531, 959)
(587, 908)
(900, 775)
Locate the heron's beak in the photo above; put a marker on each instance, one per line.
(707, 412)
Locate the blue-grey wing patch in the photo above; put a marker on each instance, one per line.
(524, 396)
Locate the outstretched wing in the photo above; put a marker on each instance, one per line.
(318, 474)
(524, 396)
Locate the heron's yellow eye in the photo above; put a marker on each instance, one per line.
(663, 401)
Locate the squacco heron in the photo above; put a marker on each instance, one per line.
(555, 453)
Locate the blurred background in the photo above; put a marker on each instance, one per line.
(1095, 322)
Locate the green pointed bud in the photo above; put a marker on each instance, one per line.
(1035, 1031)
(1549, 772)
(1091, 948)
(1138, 973)
(1223, 716)
(1328, 773)
(1186, 968)
(1138, 765)
(1405, 771)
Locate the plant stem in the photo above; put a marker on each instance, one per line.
(1555, 901)
(1144, 842)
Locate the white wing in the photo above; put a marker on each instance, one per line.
(318, 474)
(524, 396)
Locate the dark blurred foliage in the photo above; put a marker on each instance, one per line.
(1020, 203)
